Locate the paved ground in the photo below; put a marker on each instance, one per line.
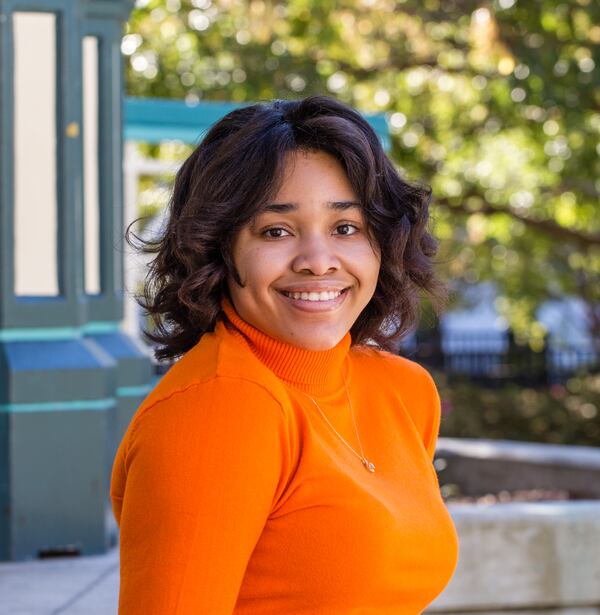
(66, 586)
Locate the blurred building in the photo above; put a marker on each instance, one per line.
(70, 376)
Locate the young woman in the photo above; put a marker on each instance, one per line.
(283, 465)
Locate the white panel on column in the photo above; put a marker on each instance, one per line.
(91, 171)
(35, 194)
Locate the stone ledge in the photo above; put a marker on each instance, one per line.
(525, 557)
(530, 452)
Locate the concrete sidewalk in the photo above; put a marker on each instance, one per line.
(66, 586)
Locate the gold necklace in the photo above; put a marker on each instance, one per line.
(368, 464)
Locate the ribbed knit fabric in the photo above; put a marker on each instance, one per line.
(315, 372)
(234, 496)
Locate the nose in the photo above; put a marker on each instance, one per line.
(315, 255)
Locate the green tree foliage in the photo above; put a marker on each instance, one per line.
(496, 104)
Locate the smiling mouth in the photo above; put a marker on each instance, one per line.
(314, 296)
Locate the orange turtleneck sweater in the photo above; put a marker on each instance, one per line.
(234, 496)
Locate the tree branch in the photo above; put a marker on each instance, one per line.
(547, 227)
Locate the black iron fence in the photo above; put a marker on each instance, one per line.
(492, 360)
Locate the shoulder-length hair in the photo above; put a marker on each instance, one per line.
(238, 167)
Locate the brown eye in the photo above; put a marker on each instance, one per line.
(274, 233)
(348, 229)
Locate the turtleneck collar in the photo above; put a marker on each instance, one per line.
(316, 371)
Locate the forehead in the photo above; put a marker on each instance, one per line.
(284, 208)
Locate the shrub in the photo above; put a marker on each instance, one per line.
(558, 414)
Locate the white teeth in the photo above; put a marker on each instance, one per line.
(314, 296)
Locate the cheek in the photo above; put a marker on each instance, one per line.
(370, 277)
(367, 263)
(374, 275)
(258, 268)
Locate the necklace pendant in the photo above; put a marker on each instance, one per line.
(369, 465)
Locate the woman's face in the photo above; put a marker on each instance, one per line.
(306, 261)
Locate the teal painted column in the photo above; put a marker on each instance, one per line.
(70, 378)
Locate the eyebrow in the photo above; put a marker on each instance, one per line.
(282, 208)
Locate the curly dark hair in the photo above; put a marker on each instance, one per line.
(238, 167)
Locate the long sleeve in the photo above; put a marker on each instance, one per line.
(204, 468)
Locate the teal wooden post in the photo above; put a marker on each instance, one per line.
(70, 378)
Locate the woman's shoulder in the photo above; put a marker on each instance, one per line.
(381, 362)
(411, 381)
(216, 362)
(202, 409)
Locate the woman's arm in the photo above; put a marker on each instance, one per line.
(201, 471)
